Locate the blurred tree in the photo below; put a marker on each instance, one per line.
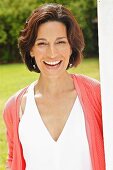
(13, 14)
(86, 12)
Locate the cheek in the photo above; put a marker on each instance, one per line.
(66, 53)
(67, 50)
(39, 54)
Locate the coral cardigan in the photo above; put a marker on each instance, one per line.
(88, 91)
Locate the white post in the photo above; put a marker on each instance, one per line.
(105, 33)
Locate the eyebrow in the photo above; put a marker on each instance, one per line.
(45, 39)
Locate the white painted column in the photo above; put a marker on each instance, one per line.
(105, 28)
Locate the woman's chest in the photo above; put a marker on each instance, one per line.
(55, 113)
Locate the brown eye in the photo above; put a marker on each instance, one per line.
(61, 42)
(41, 44)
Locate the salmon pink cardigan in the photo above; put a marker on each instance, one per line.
(88, 91)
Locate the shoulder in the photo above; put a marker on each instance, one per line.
(12, 103)
(88, 86)
(89, 91)
(87, 82)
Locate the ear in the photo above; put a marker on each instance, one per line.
(31, 54)
(71, 51)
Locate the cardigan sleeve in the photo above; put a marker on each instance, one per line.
(8, 119)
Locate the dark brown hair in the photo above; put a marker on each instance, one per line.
(51, 12)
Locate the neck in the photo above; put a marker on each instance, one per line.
(55, 85)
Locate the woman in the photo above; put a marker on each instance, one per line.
(55, 122)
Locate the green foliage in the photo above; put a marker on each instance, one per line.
(13, 14)
(3, 35)
(86, 12)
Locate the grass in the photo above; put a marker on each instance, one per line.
(15, 76)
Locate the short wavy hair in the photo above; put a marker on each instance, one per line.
(45, 13)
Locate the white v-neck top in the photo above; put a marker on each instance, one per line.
(41, 152)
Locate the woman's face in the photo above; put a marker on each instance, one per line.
(51, 49)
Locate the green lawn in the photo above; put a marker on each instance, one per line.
(16, 76)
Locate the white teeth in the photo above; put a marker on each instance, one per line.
(52, 63)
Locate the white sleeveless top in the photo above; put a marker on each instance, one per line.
(41, 152)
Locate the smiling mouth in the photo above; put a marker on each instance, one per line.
(52, 63)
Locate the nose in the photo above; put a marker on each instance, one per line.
(52, 51)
